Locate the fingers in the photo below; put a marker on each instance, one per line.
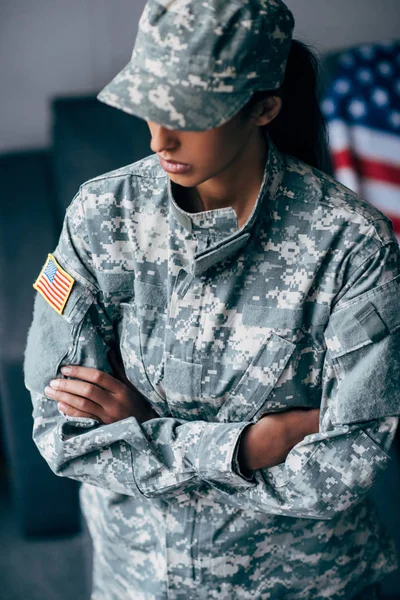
(99, 378)
(83, 389)
(77, 403)
(73, 412)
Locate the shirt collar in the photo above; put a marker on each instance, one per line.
(217, 229)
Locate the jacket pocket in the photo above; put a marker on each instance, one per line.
(131, 335)
(53, 341)
(363, 338)
(52, 338)
(183, 388)
(247, 399)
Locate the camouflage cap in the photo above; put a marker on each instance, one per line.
(196, 63)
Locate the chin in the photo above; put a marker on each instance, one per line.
(182, 179)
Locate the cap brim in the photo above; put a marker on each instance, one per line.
(181, 107)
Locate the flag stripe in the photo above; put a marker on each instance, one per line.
(49, 296)
(370, 143)
(370, 169)
(63, 279)
(51, 288)
(63, 288)
(349, 178)
(395, 220)
(50, 292)
(382, 195)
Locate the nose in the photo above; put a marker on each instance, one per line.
(161, 138)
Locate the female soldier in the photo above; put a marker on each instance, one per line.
(255, 302)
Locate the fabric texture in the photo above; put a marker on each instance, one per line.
(195, 64)
(218, 326)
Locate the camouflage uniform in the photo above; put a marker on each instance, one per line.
(218, 326)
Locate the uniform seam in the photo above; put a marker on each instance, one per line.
(383, 245)
(198, 456)
(92, 287)
(366, 296)
(128, 174)
(330, 205)
(300, 195)
(133, 472)
(377, 444)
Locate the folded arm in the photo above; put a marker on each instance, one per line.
(169, 458)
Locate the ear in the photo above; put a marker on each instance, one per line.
(267, 109)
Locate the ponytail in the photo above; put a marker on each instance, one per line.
(299, 129)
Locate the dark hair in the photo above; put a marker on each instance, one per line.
(299, 129)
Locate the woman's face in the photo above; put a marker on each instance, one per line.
(209, 153)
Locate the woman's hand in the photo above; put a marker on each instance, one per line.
(268, 442)
(93, 393)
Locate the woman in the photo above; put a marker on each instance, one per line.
(229, 451)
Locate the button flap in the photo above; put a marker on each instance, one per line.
(364, 320)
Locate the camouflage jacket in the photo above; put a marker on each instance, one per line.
(218, 326)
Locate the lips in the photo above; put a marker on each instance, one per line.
(174, 162)
(173, 166)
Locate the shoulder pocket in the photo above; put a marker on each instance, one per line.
(363, 338)
(52, 337)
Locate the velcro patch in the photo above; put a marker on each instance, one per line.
(371, 322)
(54, 284)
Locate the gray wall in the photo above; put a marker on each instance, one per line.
(61, 47)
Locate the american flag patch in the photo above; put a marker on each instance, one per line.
(54, 284)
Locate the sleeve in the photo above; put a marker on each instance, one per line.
(77, 333)
(330, 471)
(171, 458)
(162, 453)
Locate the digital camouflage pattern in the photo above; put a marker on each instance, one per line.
(218, 326)
(196, 63)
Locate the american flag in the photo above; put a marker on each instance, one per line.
(54, 284)
(362, 108)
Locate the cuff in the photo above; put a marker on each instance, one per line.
(71, 426)
(217, 455)
(249, 473)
